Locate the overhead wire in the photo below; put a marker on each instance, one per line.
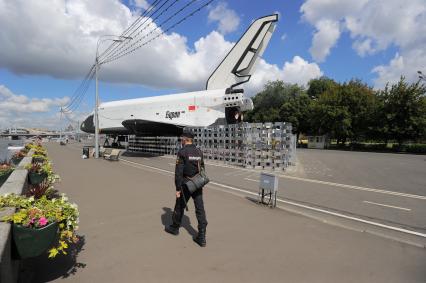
(118, 50)
(125, 52)
(81, 93)
(78, 90)
(134, 36)
(127, 32)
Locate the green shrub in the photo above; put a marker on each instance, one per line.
(418, 148)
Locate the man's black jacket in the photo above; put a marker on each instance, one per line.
(188, 159)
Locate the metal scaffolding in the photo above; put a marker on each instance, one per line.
(251, 145)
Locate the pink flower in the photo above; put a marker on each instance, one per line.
(42, 221)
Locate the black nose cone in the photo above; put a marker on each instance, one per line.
(88, 125)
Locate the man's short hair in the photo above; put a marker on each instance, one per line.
(187, 135)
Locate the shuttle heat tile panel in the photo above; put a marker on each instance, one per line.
(149, 128)
(239, 63)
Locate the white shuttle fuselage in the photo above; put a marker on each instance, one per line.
(221, 102)
(190, 109)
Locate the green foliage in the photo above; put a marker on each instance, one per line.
(6, 169)
(40, 157)
(37, 213)
(411, 148)
(350, 111)
(404, 111)
(320, 86)
(282, 102)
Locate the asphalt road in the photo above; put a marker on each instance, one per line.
(404, 173)
(392, 207)
(125, 205)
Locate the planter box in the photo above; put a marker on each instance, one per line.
(3, 177)
(16, 161)
(36, 178)
(31, 242)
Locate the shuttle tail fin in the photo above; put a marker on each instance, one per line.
(239, 63)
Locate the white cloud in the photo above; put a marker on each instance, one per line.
(326, 37)
(406, 64)
(20, 103)
(298, 71)
(228, 20)
(25, 111)
(59, 39)
(374, 26)
(140, 4)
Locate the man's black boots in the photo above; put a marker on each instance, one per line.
(201, 237)
(172, 229)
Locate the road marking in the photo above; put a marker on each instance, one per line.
(147, 166)
(336, 185)
(355, 187)
(402, 230)
(329, 183)
(233, 173)
(386, 205)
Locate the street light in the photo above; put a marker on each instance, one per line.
(103, 38)
(421, 76)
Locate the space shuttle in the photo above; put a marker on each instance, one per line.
(222, 102)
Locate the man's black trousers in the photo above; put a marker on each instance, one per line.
(197, 196)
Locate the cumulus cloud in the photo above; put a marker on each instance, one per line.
(227, 18)
(374, 25)
(21, 103)
(297, 71)
(326, 37)
(140, 4)
(24, 111)
(59, 38)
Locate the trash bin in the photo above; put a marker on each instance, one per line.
(86, 151)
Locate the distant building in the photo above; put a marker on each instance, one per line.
(69, 128)
(319, 142)
(17, 131)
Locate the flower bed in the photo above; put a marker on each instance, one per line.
(5, 170)
(41, 221)
(18, 156)
(37, 214)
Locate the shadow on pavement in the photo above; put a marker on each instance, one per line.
(140, 154)
(166, 219)
(43, 269)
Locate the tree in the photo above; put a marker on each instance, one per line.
(319, 86)
(329, 116)
(360, 101)
(404, 112)
(267, 103)
(296, 110)
(281, 101)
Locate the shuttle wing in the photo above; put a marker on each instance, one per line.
(238, 65)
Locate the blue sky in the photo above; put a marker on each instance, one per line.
(48, 46)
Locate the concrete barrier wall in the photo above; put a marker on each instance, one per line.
(16, 183)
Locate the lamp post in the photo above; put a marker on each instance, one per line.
(115, 38)
(421, 76)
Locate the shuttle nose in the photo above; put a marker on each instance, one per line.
(88, 125)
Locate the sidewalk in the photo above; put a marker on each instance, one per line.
(123, 210)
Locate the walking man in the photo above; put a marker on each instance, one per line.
(188, 163)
